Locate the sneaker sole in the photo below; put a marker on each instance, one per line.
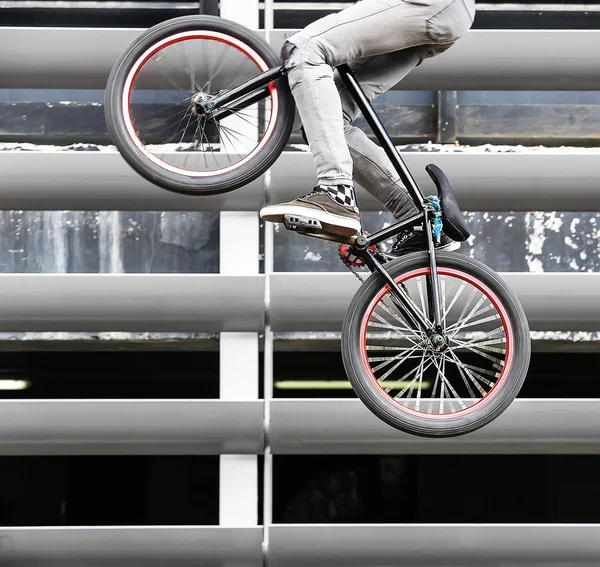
(451, 247)
(332, 224)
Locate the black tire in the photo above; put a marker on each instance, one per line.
(180, 183)
(381, 405)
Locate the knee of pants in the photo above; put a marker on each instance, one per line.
(298, 53)
(287, 49)
(349, 129)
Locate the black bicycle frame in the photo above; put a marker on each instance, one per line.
(257, 89)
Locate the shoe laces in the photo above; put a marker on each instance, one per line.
(315, 190)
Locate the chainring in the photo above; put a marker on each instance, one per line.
(354, 262)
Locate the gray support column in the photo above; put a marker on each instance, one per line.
(209, 7)
(447, 117)
(239, 352)
(239, 373)
(269, 253)
(244, 12)
(268, 378)
(269, 15)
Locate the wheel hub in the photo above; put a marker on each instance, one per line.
(201, 103)
(438, 342)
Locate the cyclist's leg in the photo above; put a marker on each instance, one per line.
(367, 28)
(373, 170)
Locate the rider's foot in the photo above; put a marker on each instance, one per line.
(416, 241)
(334, 207)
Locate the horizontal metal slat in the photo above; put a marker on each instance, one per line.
(345, 427)
(298, 427)
(318, 301)
(506, 60)
(433, 545)
(123, 546)
(482, 181)
(131, 302)
(60, 58)
(82, 58)
(48, 180)
(216, 303)
(304, 544)
(54, 180)
(130, 427)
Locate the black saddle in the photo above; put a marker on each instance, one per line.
(455, 225)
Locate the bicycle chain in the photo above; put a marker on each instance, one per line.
(355, 271)
(349, 265)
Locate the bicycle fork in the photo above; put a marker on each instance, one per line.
(432, 327)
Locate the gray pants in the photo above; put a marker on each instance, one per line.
(382, 41)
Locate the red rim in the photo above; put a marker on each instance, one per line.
(495, 302)
(222, 38)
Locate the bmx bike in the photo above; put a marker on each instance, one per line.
(434, 343)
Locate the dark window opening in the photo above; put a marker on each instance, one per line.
(432, 489)
(111, 375)
(115, 490)
(322, 375)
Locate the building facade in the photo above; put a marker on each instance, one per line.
(172, 387)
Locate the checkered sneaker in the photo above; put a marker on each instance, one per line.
(342, 194)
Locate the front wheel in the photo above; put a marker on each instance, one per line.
(437, 392)
(156, 92)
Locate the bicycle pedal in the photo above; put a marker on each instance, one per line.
(301, 224)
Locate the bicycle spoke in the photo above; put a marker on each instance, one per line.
(457, 295)
(443, 292)
(409, 373)
(486, 339)
(400, 358)
(208, 67)
(384, 322)
(465, 373)
(437, 382)
(418, 401)
(421, 295)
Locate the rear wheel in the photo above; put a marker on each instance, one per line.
(152, 99)
(421, 390)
